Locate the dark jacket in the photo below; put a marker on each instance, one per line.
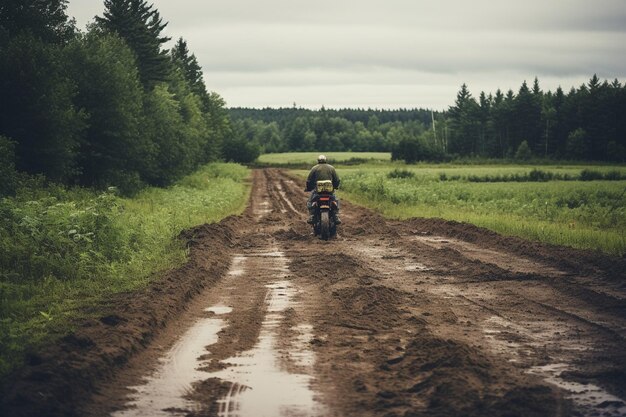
(322, 172)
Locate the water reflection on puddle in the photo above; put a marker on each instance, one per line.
(260, 384)
(272, 379)
(588, 397)
(219, 309)
(237, 267)
(166, 388)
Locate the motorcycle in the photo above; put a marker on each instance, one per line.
(325, 206)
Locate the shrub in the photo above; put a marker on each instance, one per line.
(523, 152)
(590, 175)
(576, 146)
(539, 175)
(401, 173)
(239, 149)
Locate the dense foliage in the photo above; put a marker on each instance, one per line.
(107, 107)
(584, 124)
(587, 123)
(112, 110)
(62, 248)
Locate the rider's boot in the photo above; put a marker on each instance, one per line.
(337, 219)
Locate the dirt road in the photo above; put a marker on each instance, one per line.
(416, 318)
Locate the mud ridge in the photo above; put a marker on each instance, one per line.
(574, 260)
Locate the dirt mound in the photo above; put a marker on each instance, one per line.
(59, 379)
(369, 301)
(293, 233)
(324, 265)
(367, 223)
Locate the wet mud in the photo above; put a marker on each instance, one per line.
(414, 318)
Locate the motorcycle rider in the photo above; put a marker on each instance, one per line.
(321, 172)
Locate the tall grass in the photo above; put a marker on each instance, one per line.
(588, 215)
(61, 250)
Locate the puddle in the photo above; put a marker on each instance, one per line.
(590, 399)
(260, 383)
(270, 254)
(237, 267)
(272, 379)
(299, 352)
(166, 388)
(263, 209)
(497, 332)
(219, 309)
(411, 267)
(282, 193)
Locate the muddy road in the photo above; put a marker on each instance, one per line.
(415, 318)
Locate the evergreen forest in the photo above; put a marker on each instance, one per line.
(106, 106)
(587, 123)
(112, 106)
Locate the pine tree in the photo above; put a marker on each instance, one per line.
(191, 70)
(37, 108)
(484, 111)
(113, 150)
(463, 123)
(140, 25)
(46, 20)
(527, 122)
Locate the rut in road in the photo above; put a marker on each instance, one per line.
(389, 319)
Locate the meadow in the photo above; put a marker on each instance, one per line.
(65, 249)
(577, 205)
(307, 158)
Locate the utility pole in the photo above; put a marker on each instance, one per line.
(547, 127)
(432, 115)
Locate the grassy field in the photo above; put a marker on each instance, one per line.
(67, 249)
(298, 158)
(519, 200)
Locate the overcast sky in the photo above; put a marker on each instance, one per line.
(391, 53)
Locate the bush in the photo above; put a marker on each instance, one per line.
(412, 149)
(576, 146)
(240, 150)
(539, 175)
(401, 173)
(523, 152)
(589, 175)
(61, 239)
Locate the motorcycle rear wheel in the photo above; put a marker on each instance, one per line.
(324, 225)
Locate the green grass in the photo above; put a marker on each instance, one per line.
(298, 158)
(66, 250)
(580, 214)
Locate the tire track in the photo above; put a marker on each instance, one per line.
(570, 324)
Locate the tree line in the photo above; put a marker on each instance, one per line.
(299, 129)
(587, 123)
(106, 106)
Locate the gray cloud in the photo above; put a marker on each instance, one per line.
(393, 53)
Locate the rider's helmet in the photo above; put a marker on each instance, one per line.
(321, 159)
